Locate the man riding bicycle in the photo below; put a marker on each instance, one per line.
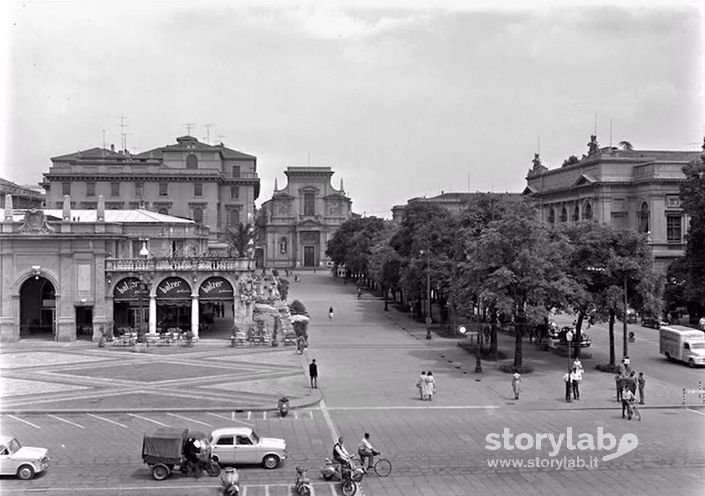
(366, 451)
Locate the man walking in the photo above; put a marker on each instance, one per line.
(313, 372)
(631, 382)
(642, 383)
(576, 376)
(619, 382)
(568, 385)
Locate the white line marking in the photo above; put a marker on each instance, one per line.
(244, 491)
(24, 421)
(233, 419)
(148, 419)
(695, 411)
(310, 414)
(266, 490)
(190, 419)
(458, 407)
(332, 490)
(107, 420)
(67, 421)
(329, 421)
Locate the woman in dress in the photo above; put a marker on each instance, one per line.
(421, 385)
(430, 385)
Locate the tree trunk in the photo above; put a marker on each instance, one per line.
(493, 340)
(611, 326)
(578, 334)
(518, 345)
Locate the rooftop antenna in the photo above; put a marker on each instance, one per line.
(104, 145)
(189, 126)
(610, 134)
(208, 133)
(123, 134)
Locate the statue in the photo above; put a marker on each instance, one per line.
(593, 147)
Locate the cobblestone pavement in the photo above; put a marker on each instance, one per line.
(369, 361)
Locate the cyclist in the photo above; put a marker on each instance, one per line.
(366, 451)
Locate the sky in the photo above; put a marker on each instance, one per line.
(401, 98)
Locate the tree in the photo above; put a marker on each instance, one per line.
(237, 238)
(570, 161)
(352, 242)
(384, 265)
(626, 145)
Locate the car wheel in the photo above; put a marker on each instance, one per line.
(160, 472)
(691, 363)
(25, 472)
(213, 468)
(270, 462)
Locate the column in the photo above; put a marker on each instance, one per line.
(152, 314)
(194, 316)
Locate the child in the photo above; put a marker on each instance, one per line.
(516, 381)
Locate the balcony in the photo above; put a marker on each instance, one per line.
(187, 264)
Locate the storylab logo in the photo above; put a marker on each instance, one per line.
(584, 442)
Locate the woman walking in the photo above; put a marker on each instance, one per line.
(430, 385)
(421, 385)
(516, 383)
(330, 313)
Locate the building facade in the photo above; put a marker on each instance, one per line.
(81, 274)
(300, 218)
(213, 185)
(23, 196)
(455, 203)
(635, 189)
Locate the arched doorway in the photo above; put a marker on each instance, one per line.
(215, 298)
(173, 304)
(37, 308)
(131, 304)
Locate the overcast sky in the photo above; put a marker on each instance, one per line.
(401, 98)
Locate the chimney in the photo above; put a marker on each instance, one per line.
(112, 147)
(8, 207)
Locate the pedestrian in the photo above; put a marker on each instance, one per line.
(300, 344)
(421, 385)
(628, 399)
(516, 383)
(568, 385)
(627, 363)
(631, 382)
(575, 377)
(578, 364)
(430, 385)
(313, 372)
(641, 381)
(619, 383)
(330, 313)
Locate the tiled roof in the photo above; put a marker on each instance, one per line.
(191, 143)
(96, 152)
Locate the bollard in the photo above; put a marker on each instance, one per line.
(478, 365)
(683, 397)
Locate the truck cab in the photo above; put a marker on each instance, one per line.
(683, 344)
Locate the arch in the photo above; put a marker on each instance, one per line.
(551, 216)
(644, 215)
(198, 215)
(587, 211)
(576, 213)
(38, 306)
(191, 161)
(564, 215)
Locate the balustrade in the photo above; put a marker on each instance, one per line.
(177, 264)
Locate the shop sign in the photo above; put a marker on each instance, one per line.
(215, 287)
(173, 288)
(129, 289)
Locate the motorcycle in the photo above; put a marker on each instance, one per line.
(349, 476)
(303, 483)
(231, 482)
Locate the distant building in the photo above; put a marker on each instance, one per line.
(80, 274)
(453, 202)
(212, 185)
(23, 196)
(636, 189)
(301, 217)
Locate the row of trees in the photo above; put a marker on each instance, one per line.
(495, 261)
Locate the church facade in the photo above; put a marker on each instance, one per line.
(299, 219)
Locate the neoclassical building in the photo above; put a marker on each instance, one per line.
(301, 217)
(213, 185)
(636, 189)
(72, 274)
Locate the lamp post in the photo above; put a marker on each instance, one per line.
(428, 291)
(625, 350)
(569, 338)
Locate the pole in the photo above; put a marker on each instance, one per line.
(428, 287)
(625, 349)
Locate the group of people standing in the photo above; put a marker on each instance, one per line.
(627, 384)
(572, 379)
(426, 385)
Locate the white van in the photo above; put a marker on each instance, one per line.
(683, 343)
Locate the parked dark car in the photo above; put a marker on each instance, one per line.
(653, 322)
(585, 340)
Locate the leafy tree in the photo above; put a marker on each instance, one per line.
(352, 242)
(570, 161)
(384, 266)
(237, 238)
(625, 145)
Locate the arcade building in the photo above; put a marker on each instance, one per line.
(82, 274)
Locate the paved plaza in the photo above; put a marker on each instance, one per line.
(91, 406)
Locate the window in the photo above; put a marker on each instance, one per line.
(114, 189)
(163, 189)
(198, 189)
(587, 212)
(576, 214)
(65, 188)
(234, 218)
(673, 228)
(236, 171)
(244, 440)
(198, 215)
(644, 218)
(192, 161)
(139, 189)
(234, 192)
(226, 441)
(309, 204)
(90, 189)
(283, 242)
(551, 216)
(564, 215)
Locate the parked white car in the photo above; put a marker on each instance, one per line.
(241, 445)
(23, 461)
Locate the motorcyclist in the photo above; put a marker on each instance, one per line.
(341, 455)
(366, 451)
(192, 450)
(301, 478)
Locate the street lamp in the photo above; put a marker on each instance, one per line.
(569, 338)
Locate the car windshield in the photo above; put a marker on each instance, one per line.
(255, 438)
(697, 346)
(13, 446)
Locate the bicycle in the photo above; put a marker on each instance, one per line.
(635, 410)
(382, 466)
